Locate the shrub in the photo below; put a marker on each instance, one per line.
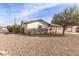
(10, 29)
(15, 29)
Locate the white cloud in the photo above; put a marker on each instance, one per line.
(27, 11)
(47, 19)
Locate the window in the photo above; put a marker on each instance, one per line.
(39, 26)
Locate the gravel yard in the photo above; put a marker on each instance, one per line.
(22, 45)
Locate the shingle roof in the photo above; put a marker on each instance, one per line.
(36, 21)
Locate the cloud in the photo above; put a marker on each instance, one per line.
(34, 8)
(47, 19)
(29, 11)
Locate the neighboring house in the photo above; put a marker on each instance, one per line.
(41, 24)
(3, 29)
(73, 29)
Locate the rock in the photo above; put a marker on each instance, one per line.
(4, 53)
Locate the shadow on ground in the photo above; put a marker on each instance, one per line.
(46, 35)
(39, 35)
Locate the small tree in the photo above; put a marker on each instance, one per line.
(10, 29)
(15, 29)
(69, 17)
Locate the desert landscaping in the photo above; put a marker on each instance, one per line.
(39, 35)
(23, 45)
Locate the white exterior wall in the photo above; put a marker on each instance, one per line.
(74, 28)
(71, 29)
(56, 29)
(35, 25)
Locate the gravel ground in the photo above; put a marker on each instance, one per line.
(22, 45)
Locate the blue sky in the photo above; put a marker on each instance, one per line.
(29, 11)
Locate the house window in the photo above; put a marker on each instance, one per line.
(77, 29)
(39, 26)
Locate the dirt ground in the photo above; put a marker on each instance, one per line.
(22, 45)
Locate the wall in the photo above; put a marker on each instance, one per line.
(55, 29)
(34, 25)
(71, 29)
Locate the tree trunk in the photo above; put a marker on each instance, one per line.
(63, 30)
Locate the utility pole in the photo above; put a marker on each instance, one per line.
(21, 22)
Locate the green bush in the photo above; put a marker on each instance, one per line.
(15, 29)
(10, 29)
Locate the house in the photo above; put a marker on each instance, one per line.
(35, 25)
(40, 26)
(54, 28)
(73, 29)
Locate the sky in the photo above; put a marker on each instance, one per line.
(29, 11)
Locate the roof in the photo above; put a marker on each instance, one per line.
(36, 21)
(55, 25)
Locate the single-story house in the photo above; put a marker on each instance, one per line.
(54, 28)
(73, 29)
(41, 24)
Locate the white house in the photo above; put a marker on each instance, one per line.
(55, 28)
(45, 26)
(35, 24)
(73, 29)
